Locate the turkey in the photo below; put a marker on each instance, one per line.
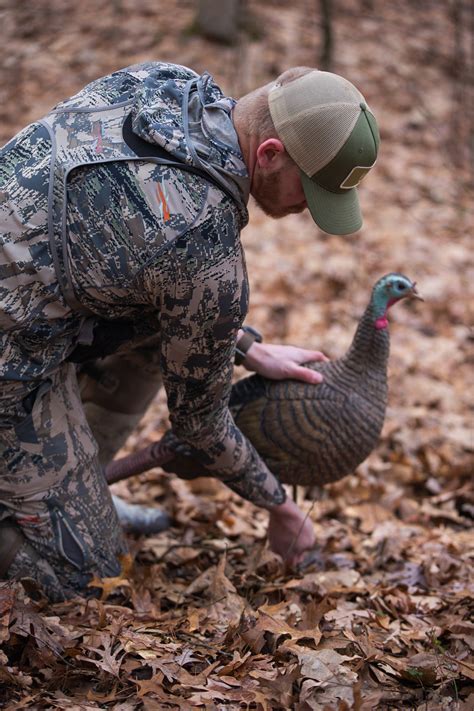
(307, 434)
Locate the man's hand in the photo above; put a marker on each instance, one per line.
(290, 532)
(279, 362)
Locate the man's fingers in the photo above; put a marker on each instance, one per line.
(306, 375)
(317, 355)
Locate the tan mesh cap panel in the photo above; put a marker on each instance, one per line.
(327, 128)
(313, 116)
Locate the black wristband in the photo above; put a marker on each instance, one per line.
(250, 336)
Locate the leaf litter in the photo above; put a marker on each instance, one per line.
(204, 616)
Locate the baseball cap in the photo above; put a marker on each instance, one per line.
(327, 128)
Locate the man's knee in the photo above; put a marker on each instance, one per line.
(123, 384)
(110, 429)
(116, 393)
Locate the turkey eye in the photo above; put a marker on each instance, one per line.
(400, 286)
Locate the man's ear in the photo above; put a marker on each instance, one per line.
(271, 154)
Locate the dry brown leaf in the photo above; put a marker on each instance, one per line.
(110, 655)
(394, 536)
(327, 582)
(109, 585)
(7, 599)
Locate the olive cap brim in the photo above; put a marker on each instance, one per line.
(335, 213)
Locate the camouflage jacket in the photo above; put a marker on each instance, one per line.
(94, 234)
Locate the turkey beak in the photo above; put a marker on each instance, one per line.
(413, 294)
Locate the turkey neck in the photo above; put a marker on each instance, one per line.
(370, 348)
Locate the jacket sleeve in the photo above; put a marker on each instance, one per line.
(202, 296)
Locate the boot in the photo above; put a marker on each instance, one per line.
(141, 520)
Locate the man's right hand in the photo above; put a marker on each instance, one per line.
(278, 362)
(290, 532)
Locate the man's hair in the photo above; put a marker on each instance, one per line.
(259, 120)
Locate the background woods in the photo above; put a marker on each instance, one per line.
(206, 617)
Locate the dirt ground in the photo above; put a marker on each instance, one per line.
(204, 616)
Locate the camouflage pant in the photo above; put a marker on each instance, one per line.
(57, 521)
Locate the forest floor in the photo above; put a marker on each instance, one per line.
(204, 616)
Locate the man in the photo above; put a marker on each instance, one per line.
(121, 212)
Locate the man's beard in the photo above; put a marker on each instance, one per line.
(266, 198)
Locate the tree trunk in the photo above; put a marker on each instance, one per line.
(326, 26)
(219, 19)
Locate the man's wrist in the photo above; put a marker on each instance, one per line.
(248, 337)
(288, 509)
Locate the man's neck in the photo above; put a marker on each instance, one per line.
(248, 142)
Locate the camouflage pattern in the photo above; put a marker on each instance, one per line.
(52, 486)
(99, 246)
(36, 324)
(28, 565)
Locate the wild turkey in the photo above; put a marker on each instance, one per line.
(307, 434)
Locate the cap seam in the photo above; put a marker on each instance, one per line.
(371, 132)
(309, 111)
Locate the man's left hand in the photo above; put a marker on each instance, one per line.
(280, 362)
(290, 532)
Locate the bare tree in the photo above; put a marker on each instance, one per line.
(326, 26)
(219, 19)
(462, 142)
